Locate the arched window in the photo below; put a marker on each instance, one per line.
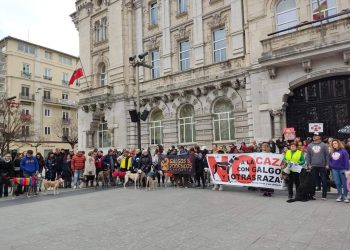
(156, 127)
(186, 124)
(103, 75)
(286, 14)
(224, 129)
(104, 136)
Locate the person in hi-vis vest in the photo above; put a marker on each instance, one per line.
(295, 156)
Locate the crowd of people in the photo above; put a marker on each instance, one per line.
(327, 160)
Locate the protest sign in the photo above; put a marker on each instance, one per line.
(178, 164)
(252, 170)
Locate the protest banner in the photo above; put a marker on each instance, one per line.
(178, 164)
(251, 170)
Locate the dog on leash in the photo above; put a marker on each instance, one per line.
(29, 182)
(306, 187)
(150, 182)
(103, 177)
(167, 176)
(133, 176)
(52, 184)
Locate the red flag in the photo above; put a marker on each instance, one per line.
(76, 75)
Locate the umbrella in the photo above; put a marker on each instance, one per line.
(345, 130)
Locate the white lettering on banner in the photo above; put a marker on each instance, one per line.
(252, 170)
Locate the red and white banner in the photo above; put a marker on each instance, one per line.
(251, 170)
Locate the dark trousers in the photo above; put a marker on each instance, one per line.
(317, 174)
(200, 176)
(293, 179)
(4, 187)
(158, 177)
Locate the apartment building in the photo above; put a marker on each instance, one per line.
(223, 71)
(38, 77)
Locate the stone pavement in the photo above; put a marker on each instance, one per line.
(173, 218)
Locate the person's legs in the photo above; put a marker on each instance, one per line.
(314, 174)
(76, 178)
(290, 185)
(343, 184)
(1, 187)
(322, 174)
(336, 178)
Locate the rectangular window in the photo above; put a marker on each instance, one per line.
(65, 115)
(65, 79)
(323, 8)
(184, 55)
(155, 62)
(47, 112)
(25, 91)
(47, 94)
(219, 45)
(182, 6)
(48, 55)
(47, 130)
(104, 29)
(25, 111)
(65, 132)
(104, 136)
(65, 96)
(47, 74)
(65, 60)
(153, 14)
(26, 48)
(25, 131)
(25, 71)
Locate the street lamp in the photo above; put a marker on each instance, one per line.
(136, 62)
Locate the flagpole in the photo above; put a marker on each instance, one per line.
(82, 67)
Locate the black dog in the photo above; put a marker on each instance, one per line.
(305, 191)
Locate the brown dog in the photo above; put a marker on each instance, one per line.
(103, 177)
(52, 184)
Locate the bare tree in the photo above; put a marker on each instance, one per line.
(38, 140)
(67, 130)
(14, 125)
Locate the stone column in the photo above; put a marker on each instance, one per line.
(237, 31)
(166, 42)
(198, 44)
(139, 32)
(204, 130)
(277, 114)
(170, 134)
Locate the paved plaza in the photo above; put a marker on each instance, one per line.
(173, 218)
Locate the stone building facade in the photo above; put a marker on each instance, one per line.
(218, 74)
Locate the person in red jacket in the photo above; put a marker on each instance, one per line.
(78, 165)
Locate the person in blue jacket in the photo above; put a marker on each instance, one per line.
(29, 165)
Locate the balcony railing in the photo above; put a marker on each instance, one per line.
(24, 96)
(26, 75)
(66, 102)
(307, 36)
(47, 77)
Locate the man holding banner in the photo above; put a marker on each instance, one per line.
(294, 159)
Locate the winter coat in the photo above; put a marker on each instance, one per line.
(145, 163)
(50, 166)
(78, 162)
(6, 169)
(106, 163)
(90, 168)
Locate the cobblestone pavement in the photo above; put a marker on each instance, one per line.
(173, 218)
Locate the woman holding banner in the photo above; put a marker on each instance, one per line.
(293, 156)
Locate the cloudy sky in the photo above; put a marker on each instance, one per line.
(45, 22)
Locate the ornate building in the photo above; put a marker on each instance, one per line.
(220, 72)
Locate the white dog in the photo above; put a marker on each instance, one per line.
(133, 176)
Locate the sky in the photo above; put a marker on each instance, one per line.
(43, 22)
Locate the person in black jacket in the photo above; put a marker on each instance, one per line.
(6, 171)
(145, 162)
(199, 166)
(50, 165)
(18, 172)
